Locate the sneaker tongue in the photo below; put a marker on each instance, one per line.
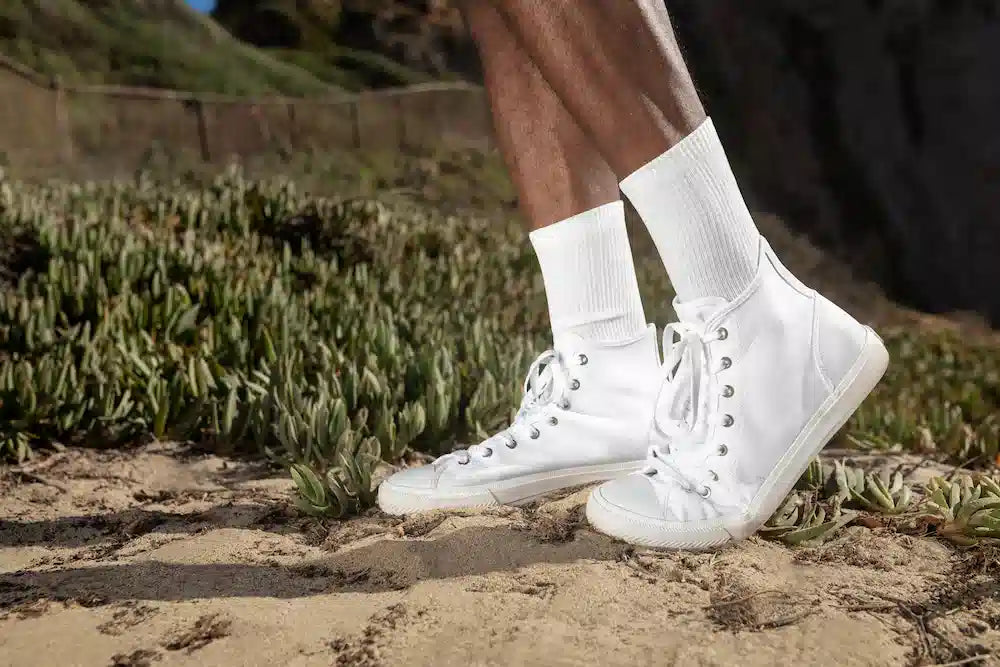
(698, 312)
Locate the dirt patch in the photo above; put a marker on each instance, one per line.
(863, 548)
(554, 527)
(205, 630)
(738, 609)
(364, 650)
(162, 556)
(128, 616)
(142, 657)
(421, 524)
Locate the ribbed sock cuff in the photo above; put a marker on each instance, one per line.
(690, 202)
(589, 275)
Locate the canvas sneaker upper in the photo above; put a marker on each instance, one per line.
(753, 389)
(585, 416)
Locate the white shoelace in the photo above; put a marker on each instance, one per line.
(689, 414)
(548, 381)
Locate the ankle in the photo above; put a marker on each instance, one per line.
(589, 275)
(690, 202)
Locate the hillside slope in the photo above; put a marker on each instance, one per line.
(159, 43)
(358, 43)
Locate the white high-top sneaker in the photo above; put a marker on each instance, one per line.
(754, 389)
(585, 417)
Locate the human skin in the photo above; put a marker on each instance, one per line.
(556, 168)
(583, 93)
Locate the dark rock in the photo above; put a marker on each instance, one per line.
(871, 126)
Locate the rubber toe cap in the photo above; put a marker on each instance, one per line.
(418, 477)
(633, 494)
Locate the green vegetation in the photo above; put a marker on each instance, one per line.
(350, 44)
(803, 520)
(332, 334)
(249, 314)
(964, 510)
(159, 44)
(166, 44)
(940, 397)
(350, 69)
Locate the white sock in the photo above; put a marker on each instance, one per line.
(589, 275)
(692, 206)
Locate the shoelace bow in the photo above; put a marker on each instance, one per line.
(686, 363)
(548, 380)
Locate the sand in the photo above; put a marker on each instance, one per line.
(164, 556)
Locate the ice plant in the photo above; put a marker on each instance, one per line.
(965, 511)
(802, 521)
(874, 492)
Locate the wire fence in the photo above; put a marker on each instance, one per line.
(46, 123)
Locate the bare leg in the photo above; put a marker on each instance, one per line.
(590, 423)
(616, 67)
(556, 168)
(586, 260)
(660, 71)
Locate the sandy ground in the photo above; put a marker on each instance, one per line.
(162, 556)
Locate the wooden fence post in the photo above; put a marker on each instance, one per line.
(355, 124)
(293, 130)
(199, 110)
(262, 125)
(63, 128)
(402, 122)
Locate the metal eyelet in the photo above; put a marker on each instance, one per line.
(727, 421)
(553, 421)
(582, 358)
(463, 462)
(726, 362)
(564, 404)
(728, 391)
(714, 476)
(574, 385)
(488, 453)
(705, 492)
(511, 444)
(723, 450)
(535, 433)
(722, 333)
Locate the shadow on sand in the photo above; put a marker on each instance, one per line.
(385, 565)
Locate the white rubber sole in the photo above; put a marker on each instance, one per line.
(858, 382)
(395, 499)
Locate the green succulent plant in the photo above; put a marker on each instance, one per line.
(965, 511)
(874, 492)
(939, 397)
(844, 481)
(250, 315)
(816, 475)
(889, 496)
(340, 490)
(803, 521)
